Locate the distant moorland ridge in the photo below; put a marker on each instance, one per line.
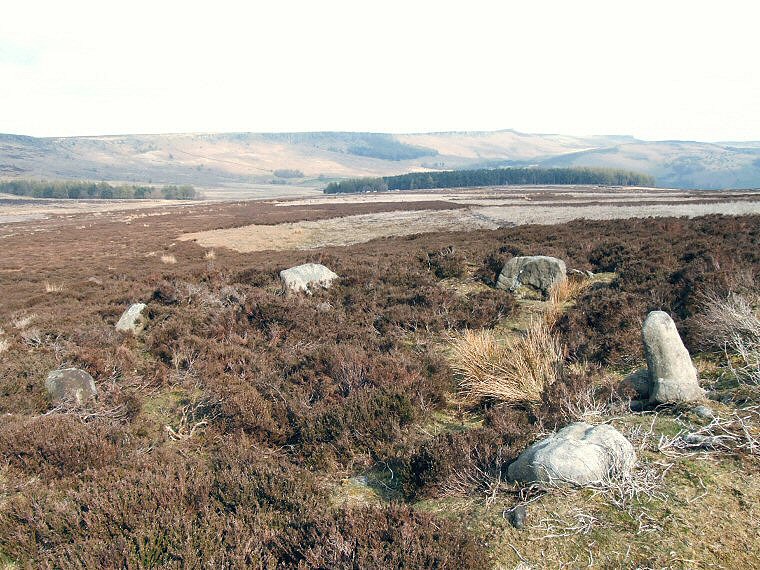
(222, 159)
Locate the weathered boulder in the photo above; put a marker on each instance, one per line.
(672, 375)
(534, 274)
(307, 276)
(578, 454)
(132, 320)
(70, 384)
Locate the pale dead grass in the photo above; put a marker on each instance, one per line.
(560, 296)
(168, 259)
(516, 370)
(51, 287)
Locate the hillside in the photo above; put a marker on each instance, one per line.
(221, 160)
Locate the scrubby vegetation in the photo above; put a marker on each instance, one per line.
(222, 434)
(71, 189)
(493, 177)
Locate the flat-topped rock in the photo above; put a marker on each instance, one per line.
(307, 277)
(534, 274)
(578, 454)
(70, 384)
(132, 320)
(672, 375)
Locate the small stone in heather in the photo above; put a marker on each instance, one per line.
(70, 384)
(517, 516)
(132, 320)
(703, 412)
(532, 275)
(637, 381)
(306, 277)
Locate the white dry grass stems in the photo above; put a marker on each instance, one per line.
(53, 287)
(516, 370)
(732, 324)
(738, 432)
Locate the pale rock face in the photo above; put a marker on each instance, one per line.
(132, 320)
(672, 375)
(536, 273)
(306, 277)
(578, 454)
(70, 384)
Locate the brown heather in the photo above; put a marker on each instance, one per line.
(285, 395)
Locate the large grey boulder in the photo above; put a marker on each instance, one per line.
(534, 274)
(672, 375)
(578, 454)
(132, 320)
(306, 277)
(70, 384)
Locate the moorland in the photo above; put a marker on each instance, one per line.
(251, 427)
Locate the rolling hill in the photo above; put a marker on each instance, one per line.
(219, 160)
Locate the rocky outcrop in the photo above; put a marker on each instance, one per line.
(307, 277)
(533, 275)
(132, 320)
(578, 454)
(70, 384)
(672, 375)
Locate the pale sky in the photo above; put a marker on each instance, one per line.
(670, 69)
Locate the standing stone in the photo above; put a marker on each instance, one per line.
(672, 375)
(578, 454)
(70, 384)
(132, 320)
(307, 276)
(534, 274)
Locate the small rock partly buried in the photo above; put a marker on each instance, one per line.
(517, 516)
(638, 382)
(532, 275)
(672, 375)
(70, 384)
(578, 454)
(132, 320)
(703, 412)
(307, 276)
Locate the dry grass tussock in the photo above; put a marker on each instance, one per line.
(732, 324)
(560, 295)
(53, 287)
(514, 371)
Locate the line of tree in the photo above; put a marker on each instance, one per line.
(354, 185)
(493, 177)
(72, 189)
